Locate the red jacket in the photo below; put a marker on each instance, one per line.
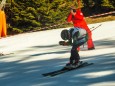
(78, 20)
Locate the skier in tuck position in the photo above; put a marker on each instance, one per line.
(74, 37)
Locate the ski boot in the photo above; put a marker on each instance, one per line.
(73, 65)
(77, 64)
(68, 65)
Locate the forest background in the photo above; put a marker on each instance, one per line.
(36, 15)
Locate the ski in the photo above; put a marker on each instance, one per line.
(64, 70)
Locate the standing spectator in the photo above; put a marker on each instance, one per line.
(76, 17)
(3, 30)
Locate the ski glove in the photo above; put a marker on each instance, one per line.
(64, 43)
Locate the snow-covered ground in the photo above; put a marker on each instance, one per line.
(38, 52)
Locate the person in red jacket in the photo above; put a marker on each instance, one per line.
(77, 18)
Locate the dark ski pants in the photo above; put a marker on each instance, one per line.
(75, 53)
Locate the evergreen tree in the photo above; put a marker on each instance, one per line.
(106, 5)
(27, 15)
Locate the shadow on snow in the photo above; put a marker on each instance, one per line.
(17, 73)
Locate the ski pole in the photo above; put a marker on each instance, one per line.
(93, 28)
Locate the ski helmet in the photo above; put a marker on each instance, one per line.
(65, 34)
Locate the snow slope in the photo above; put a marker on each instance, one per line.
(38, 52)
